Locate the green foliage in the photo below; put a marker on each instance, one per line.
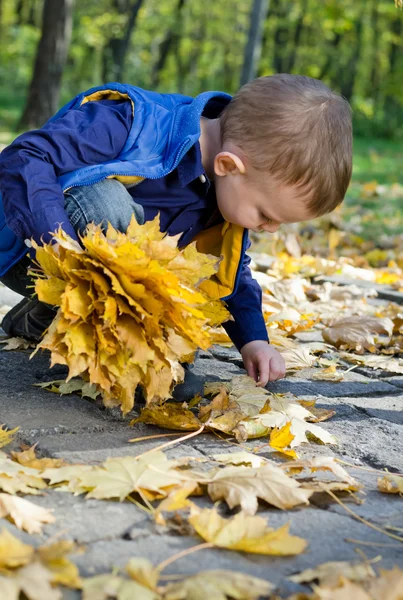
(355, 46)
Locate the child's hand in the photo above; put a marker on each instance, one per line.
(262, 362)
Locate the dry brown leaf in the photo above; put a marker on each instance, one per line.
(359, 333)
(245, 533)
(242, 486)
(24, 514)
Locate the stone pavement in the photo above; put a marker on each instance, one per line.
(368, 424)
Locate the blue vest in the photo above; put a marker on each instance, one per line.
(164, 128)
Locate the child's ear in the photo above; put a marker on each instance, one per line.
(227, 163)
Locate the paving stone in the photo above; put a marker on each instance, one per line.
(351, 386)
(87, 521)
(216, 370)
(324, 530)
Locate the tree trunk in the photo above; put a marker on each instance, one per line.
(281, 36)
(51, 55)
(116, 50)
(253, 49)
(347, 75)
(165, 46)
(297, 38)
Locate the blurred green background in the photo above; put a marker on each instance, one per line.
(52, 49)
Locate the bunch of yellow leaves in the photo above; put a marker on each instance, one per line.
(129, 309)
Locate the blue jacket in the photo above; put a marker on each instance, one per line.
(163, 129)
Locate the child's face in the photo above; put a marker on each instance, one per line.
(242, 201)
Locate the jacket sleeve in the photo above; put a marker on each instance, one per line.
(29, 168)
(246, 308)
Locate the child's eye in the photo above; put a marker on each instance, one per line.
(267, 220)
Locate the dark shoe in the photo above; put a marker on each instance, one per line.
(28, 319)
(191, 386)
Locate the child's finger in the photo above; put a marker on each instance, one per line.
(252, 370)
(264, 372)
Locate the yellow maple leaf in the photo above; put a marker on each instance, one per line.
(169, 416)
(282, 437)
(13, 552)
(242, 486)
(6, 437)
(24, 514)
(63, 570)
(245, 533)
(129, 312)
(219, 585)
(28, 458)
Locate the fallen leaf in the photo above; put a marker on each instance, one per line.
(282, 437)
(13, 553)
(329, 374)
(107, 587)
(6, 437)
(346, 590)
(242, 486)
(62, 387)
(218, 585)
(359, 333)
(169, 415)
(392, 365)
(15, 478)
(245, 533)
(33, 581)
(239, 458)
(25, 514)
(391, 484)
(388, 586)
(28, 458)
(55, 558)
(300, 358)
(328, 574)
(151, 474)
(16, 343)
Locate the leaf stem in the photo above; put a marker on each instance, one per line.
(172, 442)
(361, 519)
(181, 554)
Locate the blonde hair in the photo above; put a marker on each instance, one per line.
(297, 130)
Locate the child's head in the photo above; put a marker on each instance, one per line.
(286, 152)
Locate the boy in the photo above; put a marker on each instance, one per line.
(278, 152)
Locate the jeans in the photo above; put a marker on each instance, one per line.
(107, 201)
